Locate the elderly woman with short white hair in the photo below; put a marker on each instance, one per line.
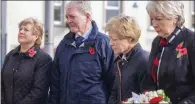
(131, 61)
(172, 57)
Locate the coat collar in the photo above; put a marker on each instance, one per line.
(173, 35)
(133, 51)
(127, 56)
(70, 37)
(30, 53)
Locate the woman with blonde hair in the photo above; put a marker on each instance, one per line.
(172, 57)
(25, 72)
(131, 61)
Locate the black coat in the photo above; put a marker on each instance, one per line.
(132, 72)
(176, 75)
(25, 79)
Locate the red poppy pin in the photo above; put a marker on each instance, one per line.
(91, 50)
(180, 50)
(163, 42)
(31, 52)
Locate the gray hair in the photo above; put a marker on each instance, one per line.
(83, 6)
(170, 9)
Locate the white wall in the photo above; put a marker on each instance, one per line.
(98, 13)
(140, 15)
(17, 11)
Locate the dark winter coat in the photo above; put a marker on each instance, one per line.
(132, 71)
(25, 77)
(176, 74)
(82, 75)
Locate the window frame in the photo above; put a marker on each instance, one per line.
(108, 7)
(61, 5)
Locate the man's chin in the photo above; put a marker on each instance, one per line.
(73, 30)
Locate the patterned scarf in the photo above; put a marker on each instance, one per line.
(163, 43)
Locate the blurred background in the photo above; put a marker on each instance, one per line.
(52, 15)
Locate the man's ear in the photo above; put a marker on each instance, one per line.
(88, 15)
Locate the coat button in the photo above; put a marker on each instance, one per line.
(11, 86)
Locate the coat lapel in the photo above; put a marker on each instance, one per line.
(169, 61)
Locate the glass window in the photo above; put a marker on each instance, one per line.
(112, 8)
(59, 13)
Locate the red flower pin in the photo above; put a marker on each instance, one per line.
(179, 46)
(91, 50)
(183, 51)
(163, 42)
(31, 52)
(155, 100)
(180, 50)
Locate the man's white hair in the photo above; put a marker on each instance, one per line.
(83, 6)
(170, 9)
